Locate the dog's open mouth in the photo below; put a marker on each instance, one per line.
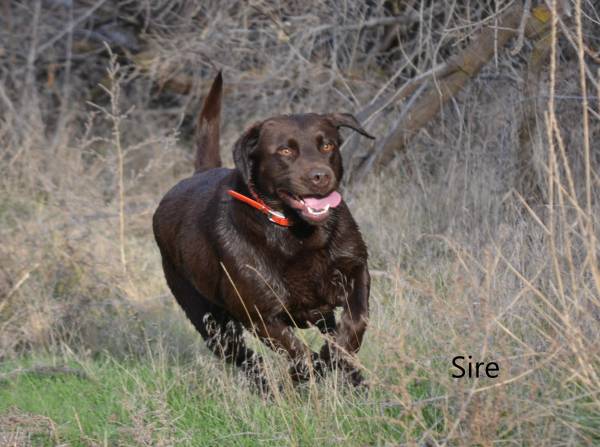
(312, 208)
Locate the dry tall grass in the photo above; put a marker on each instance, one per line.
(462, 264)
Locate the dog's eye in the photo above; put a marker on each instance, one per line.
(285, 151)
(327, 147)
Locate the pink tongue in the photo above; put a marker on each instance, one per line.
(332, 200)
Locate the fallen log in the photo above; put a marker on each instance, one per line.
(528, 180)
(446, 85)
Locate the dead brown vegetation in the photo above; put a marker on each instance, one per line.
(483, 234)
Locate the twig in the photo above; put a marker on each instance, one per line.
(367, 164)
(19, 283)
(371, 23)
(70, 27)
(521, 35)
(115, 115)
(43, 370)
(459, 70)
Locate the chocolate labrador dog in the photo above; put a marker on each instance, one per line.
(269, 246)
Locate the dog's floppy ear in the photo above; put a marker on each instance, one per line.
(348, 120)
(243, 150)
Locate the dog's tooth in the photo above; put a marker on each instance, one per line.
(315, 212)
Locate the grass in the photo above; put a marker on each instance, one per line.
(142, 402)
(79, 408)
(461, 264)
(435, 294)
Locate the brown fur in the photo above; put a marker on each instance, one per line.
(229, 267)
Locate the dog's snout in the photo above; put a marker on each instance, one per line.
(320, 177)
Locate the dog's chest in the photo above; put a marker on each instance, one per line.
(315, 285)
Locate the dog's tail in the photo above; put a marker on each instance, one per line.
(207, 129)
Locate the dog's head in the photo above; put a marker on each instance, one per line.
(294, 162)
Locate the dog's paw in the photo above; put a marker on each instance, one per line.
(262, 387)
(357, 380)
(260, 384)
(302, 370)
(254, 370)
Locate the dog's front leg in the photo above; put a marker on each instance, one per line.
(280, 337)
(349, 332)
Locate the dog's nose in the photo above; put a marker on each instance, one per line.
(320, 177)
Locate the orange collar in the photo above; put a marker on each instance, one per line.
(274, 216)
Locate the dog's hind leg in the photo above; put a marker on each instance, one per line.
(223, 336)
(225, 339)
